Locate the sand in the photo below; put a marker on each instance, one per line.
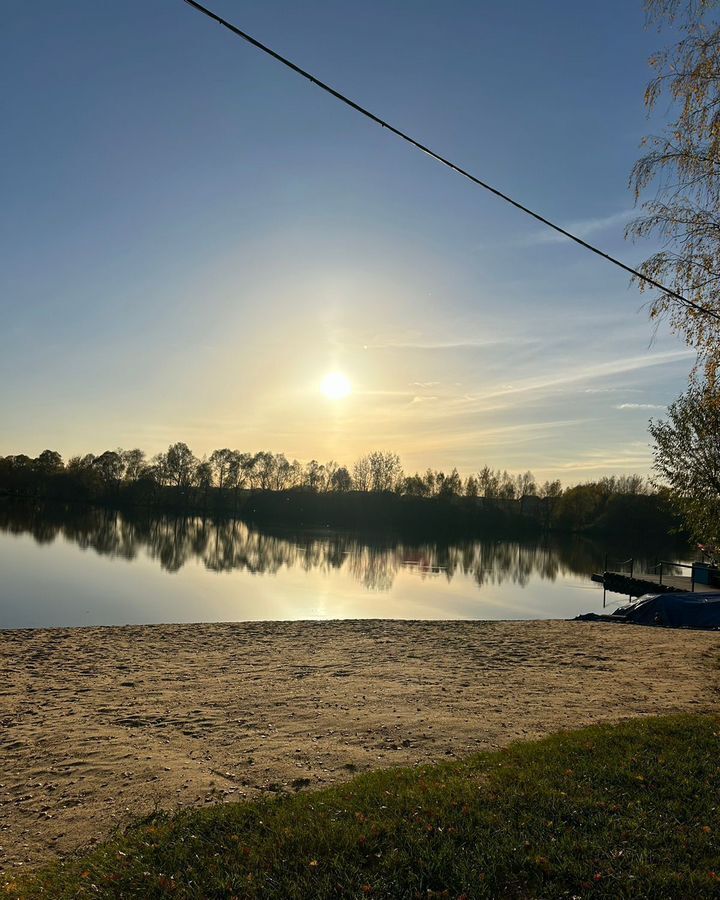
(101, 725)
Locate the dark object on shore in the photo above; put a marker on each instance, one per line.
(671, 610)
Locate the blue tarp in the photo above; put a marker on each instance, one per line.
(674, 610)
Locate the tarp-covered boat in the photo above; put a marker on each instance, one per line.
(673, 610)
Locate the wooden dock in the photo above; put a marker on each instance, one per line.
(680, 583)
(638, 583)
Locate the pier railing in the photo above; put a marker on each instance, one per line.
(658, 567)
(625, 562)
(678, 565)
(623, 572)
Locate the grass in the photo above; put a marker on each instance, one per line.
(626, 811)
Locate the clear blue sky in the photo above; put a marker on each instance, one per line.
(192, 237)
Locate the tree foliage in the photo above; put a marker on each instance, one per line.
(687, 458)
(231, 481)
(682, 164)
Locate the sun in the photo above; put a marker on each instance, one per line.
(335, 386)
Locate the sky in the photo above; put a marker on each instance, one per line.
(192, 237)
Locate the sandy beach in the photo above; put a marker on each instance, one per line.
(101, 725)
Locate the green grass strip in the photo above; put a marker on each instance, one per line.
(625, 811)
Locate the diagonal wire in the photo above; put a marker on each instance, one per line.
(446, 162)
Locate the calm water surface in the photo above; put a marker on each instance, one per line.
(102, 568)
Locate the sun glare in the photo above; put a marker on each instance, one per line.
(335, 386)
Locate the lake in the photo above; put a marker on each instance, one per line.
(100, 567)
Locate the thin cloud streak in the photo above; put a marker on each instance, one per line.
(583, 228)
(600, 370)
(640, 406)
(484, 438)
(453, 345)
(633, 455)
(620, 462)
(612, 390)
(537, 388)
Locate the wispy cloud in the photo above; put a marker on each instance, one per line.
(598, 370)
(461, 407)
(431, 436)
(625, 463)
(632, 456)
(422, 344)
(640, 406)
(612, 390)
(424, 384)
(583, 228)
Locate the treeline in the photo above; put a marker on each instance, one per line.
(231, 470)
(375, 490)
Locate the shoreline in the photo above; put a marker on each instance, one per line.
(601, 619)
(101, 724)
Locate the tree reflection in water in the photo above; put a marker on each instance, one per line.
(231, 545)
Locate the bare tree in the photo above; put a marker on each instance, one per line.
(222, 465)
(551, 489)
(133, 460)
(264, 469)
(385, 470)
(314, 475)
(203, 477)
(506, 486)
(489, 483)
(243, 469)
(330, 468)
(525, 485)
(361, 474)
(282, 475)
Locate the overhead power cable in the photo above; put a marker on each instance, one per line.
(446, 162)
